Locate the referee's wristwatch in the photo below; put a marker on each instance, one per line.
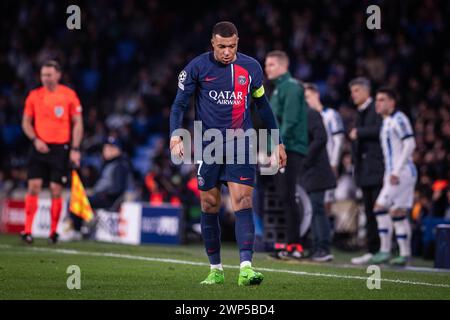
(75, 149)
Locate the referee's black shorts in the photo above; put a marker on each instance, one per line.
(52, 166)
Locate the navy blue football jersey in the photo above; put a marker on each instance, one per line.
(222, 92)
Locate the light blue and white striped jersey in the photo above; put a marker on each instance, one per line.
(334, 126)
(396, 129)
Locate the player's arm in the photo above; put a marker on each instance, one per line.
(404, 130)
(266, 114)
(179, 107)
(77, 131)
(265, 111)
(338, 136)
(77, 136)
(28, 128)
(187, 81)
(338, 140)
(77, 128)
(409, 144)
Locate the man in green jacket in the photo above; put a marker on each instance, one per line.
(289, 106)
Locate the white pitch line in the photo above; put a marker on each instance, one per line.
(193, 263)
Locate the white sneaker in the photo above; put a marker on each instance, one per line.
(364, 259)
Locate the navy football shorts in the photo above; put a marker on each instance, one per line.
(213, 175)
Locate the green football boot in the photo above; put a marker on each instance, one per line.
(249, 277)
(399, 261)
(215, 276)
(380, 257)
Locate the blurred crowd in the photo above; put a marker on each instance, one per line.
(125, 60)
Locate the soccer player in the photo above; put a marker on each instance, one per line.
(224, 81)
(52, 121)
(335, 133)
(396, 196)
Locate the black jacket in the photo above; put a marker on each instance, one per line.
(366, 150)
(114, 178)
(317, 174)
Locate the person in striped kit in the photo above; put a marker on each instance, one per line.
(396, 197)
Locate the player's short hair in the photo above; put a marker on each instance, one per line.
(224, 29)
(389, 92)
(311, 86)
(51, 63)
(360, 81)
(280, 55)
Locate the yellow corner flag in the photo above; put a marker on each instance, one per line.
(79, 202)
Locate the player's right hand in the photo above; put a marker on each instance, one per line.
(176, 146)
(41, 146)
(394, 180)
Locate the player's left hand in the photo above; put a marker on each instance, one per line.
(282, 156)
(75, 157)
(394, 180)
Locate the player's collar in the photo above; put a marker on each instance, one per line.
(393, 112)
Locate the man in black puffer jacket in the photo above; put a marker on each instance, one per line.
(114, 176)
(113, 181)
(316, 178)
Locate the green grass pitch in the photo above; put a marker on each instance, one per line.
(113, 271)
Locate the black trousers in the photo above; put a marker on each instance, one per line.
(320, 224)
(370, 195)
(286, 184)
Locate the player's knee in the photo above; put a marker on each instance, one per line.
(34, 189)
(56, 191)
(243, 202)
(210, 205)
